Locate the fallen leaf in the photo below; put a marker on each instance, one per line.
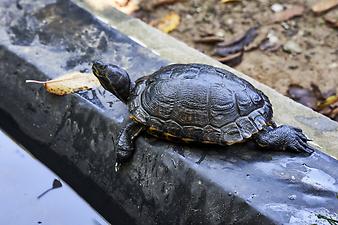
(229, 1)
(209, 39)
(256, 42)
(331, 22)
(287, 14)
(69, 83)
(334, 114)
(168, 23)
(125, 6)
(327, 102)
(324, 5)
(56, 184)
(231, 60)
(225, 49)
(164, 2)
(331, 18)
(318, 93)
(302, 95)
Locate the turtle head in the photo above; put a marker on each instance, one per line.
(114, 79)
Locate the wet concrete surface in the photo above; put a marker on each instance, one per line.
(89, 190)
(164, 183)
(27, 194)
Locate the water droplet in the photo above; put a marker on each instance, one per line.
(292, 197)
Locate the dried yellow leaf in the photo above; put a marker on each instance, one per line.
(169, 22)
(327, 102)
(69, 83)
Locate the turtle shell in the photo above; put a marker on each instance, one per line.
(196, 102)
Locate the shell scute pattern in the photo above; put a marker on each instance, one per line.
(231, 134)
(193, 132)
(211, 134)
(200, 103)
(172, 127)
(246, 126)
(160, 106)
(156, 124)
(244, 103)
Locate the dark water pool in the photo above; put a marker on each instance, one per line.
(27, 195)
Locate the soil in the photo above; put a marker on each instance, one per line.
(316, 60)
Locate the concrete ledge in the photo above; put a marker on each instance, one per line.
(164, 183)
(322, 130)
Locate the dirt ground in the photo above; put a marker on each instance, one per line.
(315, 60)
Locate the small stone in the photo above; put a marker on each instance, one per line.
(272, 37)
(301, 33)
(292, 197)
(220, 33)
(333, 65)
(277, 7)
(229, 21)
(271, 42)
(292, 47)
(285, 25)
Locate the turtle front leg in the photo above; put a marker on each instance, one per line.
(284, 138)
(125, 145)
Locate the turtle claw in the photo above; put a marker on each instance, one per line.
(296, 141)
(285, 138)
(117, 166)
(301, 147)
(301, 135)
(306, 147)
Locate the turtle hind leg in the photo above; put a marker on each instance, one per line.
(284, 138)
(125, 145)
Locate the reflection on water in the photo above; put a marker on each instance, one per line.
(31, 194)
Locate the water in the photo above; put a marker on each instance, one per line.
(27, 195)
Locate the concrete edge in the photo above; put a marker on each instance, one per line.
(322, 130)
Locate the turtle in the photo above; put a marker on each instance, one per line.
(196, 103)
